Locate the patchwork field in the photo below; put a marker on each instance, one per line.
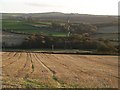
(38, 70)
(30, 27)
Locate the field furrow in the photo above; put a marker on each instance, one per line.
(47, 73)
(11, 59)
(27, 69)
(8, 56)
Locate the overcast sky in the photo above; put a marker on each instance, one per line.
(97, 7)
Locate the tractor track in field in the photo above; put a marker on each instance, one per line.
(19, 71)
(92, 60)
(44, 65)
(59, 70)
(36, 62)
(13, 61)
(31, 63)
(24, 67)
(75, 63)
(85, 71)
(6, 54)
(11, 56)
(26, 61)
(53, 73)
(57, 59)
(88, 59)
(67, 67)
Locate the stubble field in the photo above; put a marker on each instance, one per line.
(41, 70)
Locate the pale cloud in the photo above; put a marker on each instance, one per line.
(99, 7)
(41, 5)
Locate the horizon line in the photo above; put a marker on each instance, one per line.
(59, 12)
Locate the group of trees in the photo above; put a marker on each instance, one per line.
(73, 42)
(74, 28)
(79, 39)
(76, 41)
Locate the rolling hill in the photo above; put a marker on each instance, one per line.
(73, 17)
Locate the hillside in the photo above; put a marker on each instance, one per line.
(90, 29)
(73, 17)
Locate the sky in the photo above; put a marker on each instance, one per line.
(96, 7)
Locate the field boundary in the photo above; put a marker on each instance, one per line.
(62, 52)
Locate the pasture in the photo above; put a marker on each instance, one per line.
(21, 26)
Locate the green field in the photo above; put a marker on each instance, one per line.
(29, 27)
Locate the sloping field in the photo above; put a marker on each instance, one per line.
(38, 70)
(30, 28)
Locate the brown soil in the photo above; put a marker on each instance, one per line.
(37, 70)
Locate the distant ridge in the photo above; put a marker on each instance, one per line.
(73, 17)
